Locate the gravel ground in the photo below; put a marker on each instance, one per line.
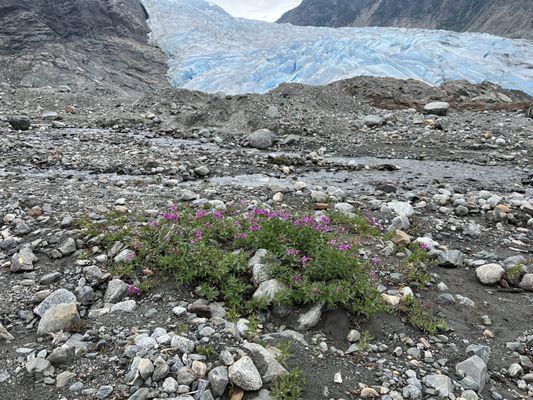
(467, 175)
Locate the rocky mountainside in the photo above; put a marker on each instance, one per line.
(511, 18)
(95, 45)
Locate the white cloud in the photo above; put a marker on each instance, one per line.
(266, 10)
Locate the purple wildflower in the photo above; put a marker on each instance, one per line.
(375, 261)
(304, 260)
(200, 214)
(171, 216)
(134, 291)
(298, 279)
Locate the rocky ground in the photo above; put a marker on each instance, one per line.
(458, 179)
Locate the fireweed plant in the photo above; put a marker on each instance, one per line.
(315, 257)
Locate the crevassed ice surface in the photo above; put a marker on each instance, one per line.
(212, 51)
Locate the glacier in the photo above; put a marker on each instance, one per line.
(211, 51)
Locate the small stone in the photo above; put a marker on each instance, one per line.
(178, 311)
(245, 375)
(401, 238)
(373, 121)
(310, 316)
(527, 282)
(39, 366)
(170, 385)
(400, 208)
(5, 335)
(437, 108)
(19, 122)
(145, 368)
(23, 260)
(127, 306)
(369, 393)
(184, 345)
(218, 380)
(68, 247)
(515, 371)
(354, 336)
(441, 383)
(490, 274)
(475, 369)
(268, 290)
(50, 278)
(451, 259)
(64, 378)
(116, 291)
(390, 299)
(104, 392)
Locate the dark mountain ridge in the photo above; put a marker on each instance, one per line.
(84, 44)
(510, 18)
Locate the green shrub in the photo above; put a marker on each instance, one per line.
(289, 386)
(315, 259)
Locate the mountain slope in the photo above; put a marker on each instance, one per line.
(511, 18)
(94, 45)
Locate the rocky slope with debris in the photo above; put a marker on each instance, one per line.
(491, 16)
(96, 46)
(448, 168)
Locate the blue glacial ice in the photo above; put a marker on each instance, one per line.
(209, 50)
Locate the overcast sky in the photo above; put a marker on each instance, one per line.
(266, 10)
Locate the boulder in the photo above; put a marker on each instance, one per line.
(61, 317)
(490, 274)
(19, 122)
(244, 374)
(527, 282)
(265, 361)
(262, 139)
(60, 296)
(437, 108)
(23, 260)
(473, 370)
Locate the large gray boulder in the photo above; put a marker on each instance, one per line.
(262, 139)
(61, 317)
(60, 296)
(473, 370)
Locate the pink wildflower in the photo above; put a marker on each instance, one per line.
(304, 260)
(375, 261)
(133, 290)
